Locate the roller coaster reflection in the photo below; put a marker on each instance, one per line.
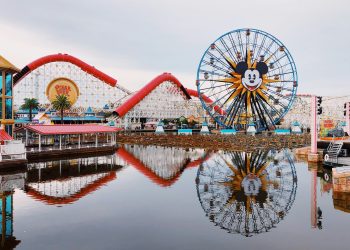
(162, 165)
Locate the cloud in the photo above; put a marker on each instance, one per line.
(135, 39)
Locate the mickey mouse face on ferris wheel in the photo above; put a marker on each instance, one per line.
(251, 77)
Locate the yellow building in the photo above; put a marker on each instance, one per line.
(7, 70)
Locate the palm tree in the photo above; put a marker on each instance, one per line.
(61, 103)
(30, 104)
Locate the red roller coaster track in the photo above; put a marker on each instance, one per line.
(132, 101)
(64, 58)
(209, 101)
(142, 93)
(148, 88)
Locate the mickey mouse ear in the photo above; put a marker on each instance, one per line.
(262, 68)
(241, 67)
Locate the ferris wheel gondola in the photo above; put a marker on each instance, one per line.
(250, 76)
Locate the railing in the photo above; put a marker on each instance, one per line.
(45, 148)
(333, 151)
(12, 150)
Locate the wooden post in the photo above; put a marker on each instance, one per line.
(79, 142)
(60, 142)
(96, 141)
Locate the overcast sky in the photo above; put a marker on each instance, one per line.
(134, 41)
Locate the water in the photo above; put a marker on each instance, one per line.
(172, 198)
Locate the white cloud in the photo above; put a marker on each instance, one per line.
(134, 41)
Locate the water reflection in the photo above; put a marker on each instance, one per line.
(341, 200)
(66, 181)
(162, 165)
(244, 193)
(247, 193)
(8, 183)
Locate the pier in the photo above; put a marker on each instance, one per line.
(57, 141)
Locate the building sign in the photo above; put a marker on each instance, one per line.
(62, 86)
(328, 124)
(325, 126)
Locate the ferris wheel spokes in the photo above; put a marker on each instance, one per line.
(251, 76)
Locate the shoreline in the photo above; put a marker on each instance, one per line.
(239, 142)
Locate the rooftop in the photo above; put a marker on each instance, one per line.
(89, 111)
(5, 136)
(5, 64)
(70, 129)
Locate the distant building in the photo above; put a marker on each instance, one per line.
(332, 109)
(52, 116)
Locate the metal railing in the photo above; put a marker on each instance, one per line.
(333, 151)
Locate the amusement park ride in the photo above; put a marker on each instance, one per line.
(251, 77)
(246, 76)
(84, 84)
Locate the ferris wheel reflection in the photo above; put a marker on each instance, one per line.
(247, 193)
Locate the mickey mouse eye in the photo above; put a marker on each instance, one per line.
(250, 76)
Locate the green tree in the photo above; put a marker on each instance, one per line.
(30, 104)
(61, 103)
(165, 121)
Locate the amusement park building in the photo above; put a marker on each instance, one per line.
(89, 88)
(7, 70)
(332, 110)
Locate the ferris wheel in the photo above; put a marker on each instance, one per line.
(250, 78)
(247, 193)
